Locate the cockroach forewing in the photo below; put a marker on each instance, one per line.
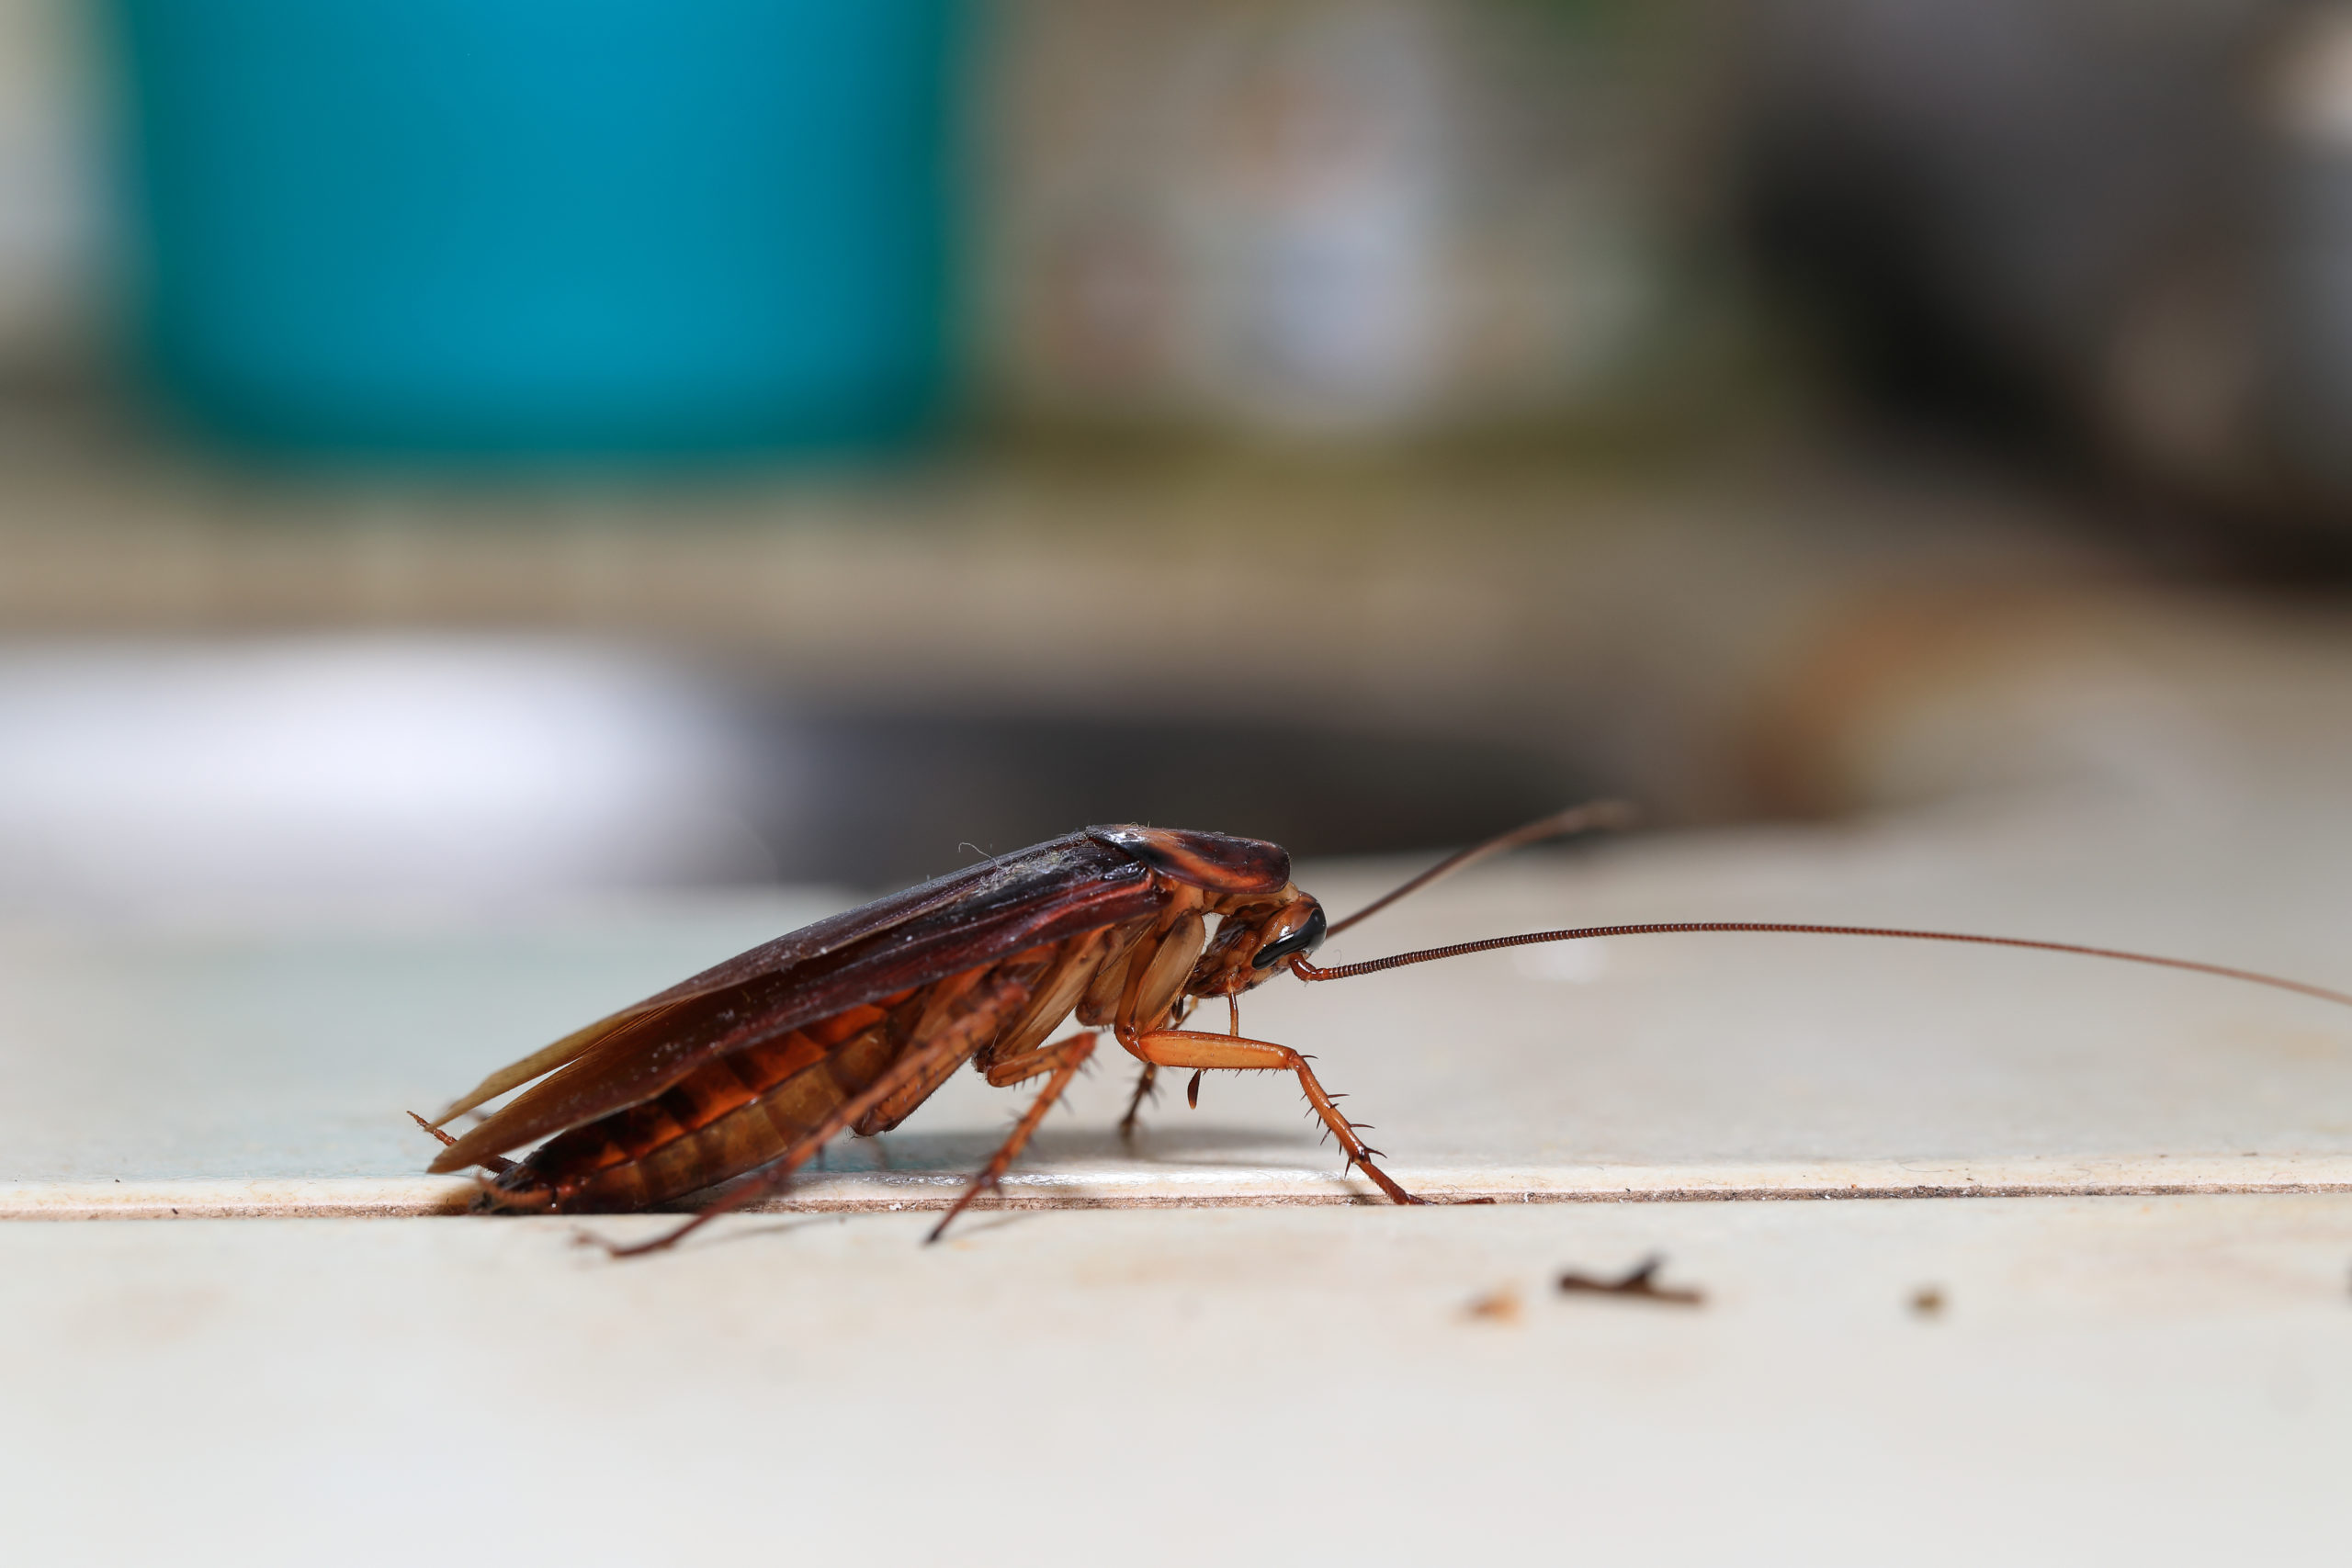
(545, 1060)
(814, 940)
(1055, 891)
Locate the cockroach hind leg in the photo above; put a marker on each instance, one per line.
(663, 1243)
(1072, 1055)
(491, 1199)
(582, 1237)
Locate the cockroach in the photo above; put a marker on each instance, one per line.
(751, 1068)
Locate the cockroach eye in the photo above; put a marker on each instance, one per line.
(1307, 938)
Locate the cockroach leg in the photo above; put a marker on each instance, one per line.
(1063, 1059)
(1043, 1059)
(1145, 1089)
(495, 1164)
(493, 1199)
(1233, 1013)
(1191, 1048)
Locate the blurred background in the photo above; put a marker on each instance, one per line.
(457, 454)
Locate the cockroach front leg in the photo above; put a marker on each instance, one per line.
(1191, 1048)
(1063, 1058)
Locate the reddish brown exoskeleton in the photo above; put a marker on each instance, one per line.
(849, 1024)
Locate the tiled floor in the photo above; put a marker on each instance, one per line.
(2141, 1375)
(2104, 1380)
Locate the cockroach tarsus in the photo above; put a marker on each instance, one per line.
(749, 1069)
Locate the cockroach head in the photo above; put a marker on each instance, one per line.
(1253, 942)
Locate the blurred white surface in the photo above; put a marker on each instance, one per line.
(160, 777)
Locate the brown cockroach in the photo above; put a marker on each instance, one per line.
(751, 1068)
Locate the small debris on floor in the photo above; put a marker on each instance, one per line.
(1927, 1301)
(1640, 1282)
(1495, 1306)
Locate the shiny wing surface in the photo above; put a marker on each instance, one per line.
(991, 880)
(1048, 894)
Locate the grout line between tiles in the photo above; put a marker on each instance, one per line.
(396, 1197)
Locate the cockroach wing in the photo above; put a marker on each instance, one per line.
(989, 880)
(1047, 893)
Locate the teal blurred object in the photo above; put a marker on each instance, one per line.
(543, 228)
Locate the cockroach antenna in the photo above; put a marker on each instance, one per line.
(1617, 814)
(1306, 971)
(1594, 816)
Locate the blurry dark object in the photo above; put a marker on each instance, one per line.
(1642, 1282)
(542, 226)
(2311, 327)
(875, 799)
(2112, 229)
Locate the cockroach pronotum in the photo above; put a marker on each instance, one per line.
(751, 1068)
